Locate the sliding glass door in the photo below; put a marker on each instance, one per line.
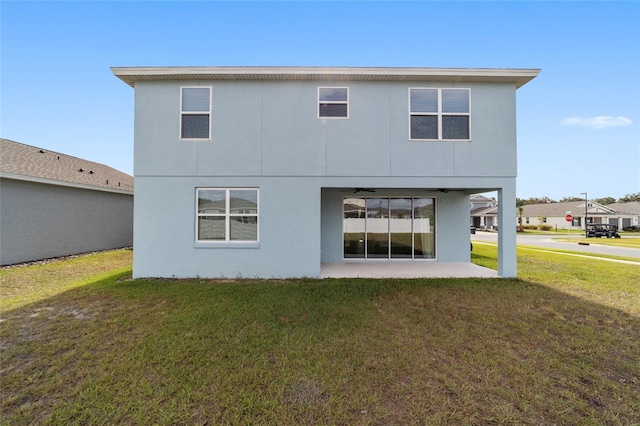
(400, 223)
(424, 231)
(353, 227)
(377, 228)
(389, 228)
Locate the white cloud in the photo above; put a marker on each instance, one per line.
(599, 122)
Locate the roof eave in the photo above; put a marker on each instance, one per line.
(47, 181)
(519, 77)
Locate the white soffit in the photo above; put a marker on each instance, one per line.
(519, 77)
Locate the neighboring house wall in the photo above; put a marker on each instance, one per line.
(52, 204)
(267, 135)
(40, 221)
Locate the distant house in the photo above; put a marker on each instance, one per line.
(276, 171)
(484, 212)
(52, 204)
(553, 214)
(626, 214)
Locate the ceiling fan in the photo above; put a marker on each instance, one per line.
(356, 190)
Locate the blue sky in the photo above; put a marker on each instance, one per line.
(578, 121)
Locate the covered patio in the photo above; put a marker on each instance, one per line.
(405, 269)
(406, 232)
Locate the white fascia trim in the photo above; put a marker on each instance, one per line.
(131, 74)
(381, 71)
(62, 183)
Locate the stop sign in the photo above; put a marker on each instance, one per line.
(568, 218)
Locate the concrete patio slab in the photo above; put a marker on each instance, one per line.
(400, 269)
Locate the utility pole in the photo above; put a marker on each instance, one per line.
(586, 217)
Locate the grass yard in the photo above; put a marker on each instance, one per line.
(626, 241)
(559, 345)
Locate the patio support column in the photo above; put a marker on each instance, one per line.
(507, 261)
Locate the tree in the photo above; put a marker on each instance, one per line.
(569, 199)
(542, 219)
(520, 210)
(605, 200)
(630, 197)
(533, 200)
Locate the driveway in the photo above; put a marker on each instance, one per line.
(547, 241)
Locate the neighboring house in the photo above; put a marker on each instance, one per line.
(484, 212)
(553, 214)
(626, 214)
(54, 205)
(275, 171)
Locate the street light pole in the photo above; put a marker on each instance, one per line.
(586, 202)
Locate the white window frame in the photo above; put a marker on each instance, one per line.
(227, 216)
(333, 102)
(182, 113)
(439, 114)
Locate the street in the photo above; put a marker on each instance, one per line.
(548, 241)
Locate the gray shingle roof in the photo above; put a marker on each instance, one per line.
(20, 160)
(577, 209)
(484, 211)
(552, 209)
(631, 207)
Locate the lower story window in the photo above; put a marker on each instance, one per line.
(389, 228)
(227, 214)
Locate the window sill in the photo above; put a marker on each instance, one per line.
(439, 140)
(226, 245)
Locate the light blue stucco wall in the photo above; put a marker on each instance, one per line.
(164, 239)
(272, 129)
(267, 135)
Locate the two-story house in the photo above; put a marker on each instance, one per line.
(484, 212)
(275, 171)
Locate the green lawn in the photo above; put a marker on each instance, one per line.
(559, 345)
(626, 241)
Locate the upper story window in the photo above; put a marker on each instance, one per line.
(333, 102)
(439, 114)
(195, 113)
(227, 215)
